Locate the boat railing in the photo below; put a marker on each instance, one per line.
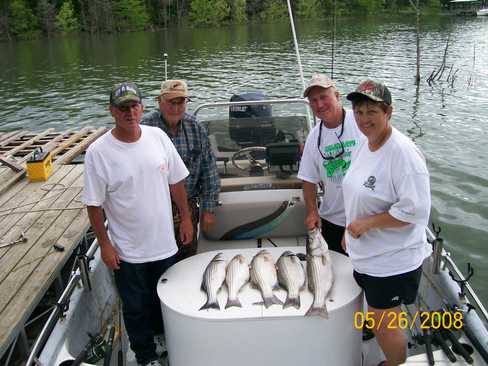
(80, 273)
(441, 255)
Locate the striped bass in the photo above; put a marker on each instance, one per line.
(213, 279)
(264, 276)
(291, 276)
(319, 271)
(237, 275)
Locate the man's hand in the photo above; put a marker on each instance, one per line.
(110, 256)
(358, 227)
(186, 231)
(208, 220)
(312, 221)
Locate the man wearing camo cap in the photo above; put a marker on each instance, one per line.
(326, 159)
(131, 175)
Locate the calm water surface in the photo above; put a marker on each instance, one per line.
(64, 82)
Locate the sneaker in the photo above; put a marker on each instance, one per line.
(160, 341)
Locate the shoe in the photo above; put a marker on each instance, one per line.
(367, 334)
(153, 363)
(160, 341)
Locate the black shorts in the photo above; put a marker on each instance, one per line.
(333, 234)
(389, 292)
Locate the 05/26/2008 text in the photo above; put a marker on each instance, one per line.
(406, 320)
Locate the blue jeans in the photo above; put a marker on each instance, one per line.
(136, 283)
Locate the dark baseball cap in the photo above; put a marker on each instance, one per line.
(373, 90)
(123, 93)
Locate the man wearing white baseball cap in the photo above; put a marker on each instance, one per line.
(326, 159)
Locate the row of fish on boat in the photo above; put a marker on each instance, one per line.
(262, 273)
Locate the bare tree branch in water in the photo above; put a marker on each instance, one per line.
(437, 74)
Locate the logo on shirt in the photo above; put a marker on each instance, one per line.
(163, 168)
(370, 182)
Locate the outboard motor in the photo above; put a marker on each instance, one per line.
(251, 125)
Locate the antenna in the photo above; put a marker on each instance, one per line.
(165, 58)
(297, 51)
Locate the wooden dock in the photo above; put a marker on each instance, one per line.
(45, 213)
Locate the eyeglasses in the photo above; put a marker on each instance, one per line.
(128, 107)
(177, 102)
(341, 152)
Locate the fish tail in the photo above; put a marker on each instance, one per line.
(272, 300)
(292, 301)
(233, 302)
(318, 311)
(211, 305)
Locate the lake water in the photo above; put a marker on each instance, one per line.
(64, 82)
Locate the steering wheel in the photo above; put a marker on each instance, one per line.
(247, 152)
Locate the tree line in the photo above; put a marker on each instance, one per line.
(20, 19)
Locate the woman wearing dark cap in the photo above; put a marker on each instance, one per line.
(387, 202)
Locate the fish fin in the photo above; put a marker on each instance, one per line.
(295, 302)
(211, 305)
(273, 300)
(202, 286)
(318, 311)
(234, 302)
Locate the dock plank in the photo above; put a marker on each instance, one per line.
(33, 225)
(27, 297)
(20, 200)
(45, 232)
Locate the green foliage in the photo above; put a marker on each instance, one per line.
(309, 9)
(275, 10)
(238, 10)
(66, 20)
(131, 15)
(22, 21)
(369, 6)
(208, 12)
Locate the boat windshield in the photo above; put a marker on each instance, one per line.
(242, 135)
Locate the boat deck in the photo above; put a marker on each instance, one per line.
(45, 213)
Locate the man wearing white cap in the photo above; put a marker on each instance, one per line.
(326, 159)
(191, 140)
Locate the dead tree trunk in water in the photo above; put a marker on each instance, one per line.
(417, 11)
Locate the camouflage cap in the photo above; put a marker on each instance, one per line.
(373, 90)
(124, 92)
(171, 89)
(320, 80)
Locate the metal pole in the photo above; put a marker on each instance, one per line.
(297, 51)
(46, 330)
(165, 58)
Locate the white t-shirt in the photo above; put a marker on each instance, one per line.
(392, 179)
(314, 169)
(130, 181)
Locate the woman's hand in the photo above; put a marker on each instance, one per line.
(358, 227)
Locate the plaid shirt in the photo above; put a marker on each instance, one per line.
(193, 145)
